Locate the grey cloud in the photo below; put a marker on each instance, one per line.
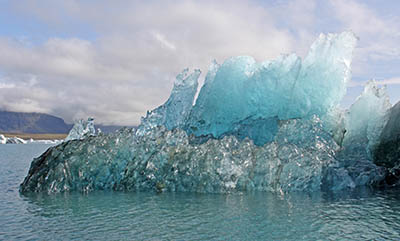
(130, 66)
(137, 48)
(379, 36)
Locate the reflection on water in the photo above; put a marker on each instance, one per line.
(357, 215)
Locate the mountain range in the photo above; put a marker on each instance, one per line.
(39, 123)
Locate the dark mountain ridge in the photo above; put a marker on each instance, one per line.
(39, 123)
(35, 123)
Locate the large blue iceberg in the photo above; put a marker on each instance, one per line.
(247, 99)
(269, 126)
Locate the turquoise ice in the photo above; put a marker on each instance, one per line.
(246, 98)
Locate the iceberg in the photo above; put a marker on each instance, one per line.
(255, 126)
(15, 140)
(3, 139)
(50, 142)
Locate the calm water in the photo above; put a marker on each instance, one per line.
(359, 215)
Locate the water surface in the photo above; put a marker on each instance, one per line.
(362, 214)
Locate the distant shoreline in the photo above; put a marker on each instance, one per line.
(28, 136)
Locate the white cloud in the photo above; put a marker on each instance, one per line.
(134, 50)
(391, 81)
(139, 48)
(161, 38)
(7, 86)
(359, 17)
(379, 35)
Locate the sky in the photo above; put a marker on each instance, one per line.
(114, 60)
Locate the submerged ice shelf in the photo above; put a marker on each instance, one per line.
(270, 126)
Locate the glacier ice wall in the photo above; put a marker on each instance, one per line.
(269, 126)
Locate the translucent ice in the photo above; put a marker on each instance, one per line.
(175, 111)
(241, 90)
(366, 118)
(81, 130)
(363, 125)
(163, 160)
(96, 162)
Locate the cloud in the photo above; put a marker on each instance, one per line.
(379, 35)
(163, 41)
(391, 81)
(359, 17)
(116, 59)
(130, 65)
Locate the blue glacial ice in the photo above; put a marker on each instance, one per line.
(365, 119)
(241, 91)
(269, 126)
(174, 113)
(81, 130)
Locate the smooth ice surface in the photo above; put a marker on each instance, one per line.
(270, 126)
(81, 130)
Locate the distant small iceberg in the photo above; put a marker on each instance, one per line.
(3, 139)
(45, 141)
(17, 140)
(11, 140)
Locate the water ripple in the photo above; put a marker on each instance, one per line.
(358, 215)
